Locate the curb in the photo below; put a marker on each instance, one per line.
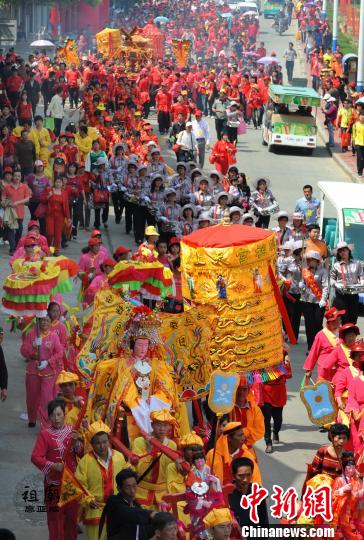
(323, 133)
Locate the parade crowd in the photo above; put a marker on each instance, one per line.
(77, 140)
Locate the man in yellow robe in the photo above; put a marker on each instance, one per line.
(230, 445)
(97, 471)
(152, 467)
(42, 140)
(67, 382)
(248, 413)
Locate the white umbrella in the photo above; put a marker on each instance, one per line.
(268, 60)
(42, 43)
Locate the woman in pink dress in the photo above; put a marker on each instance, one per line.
(99, 281)
(355, 407)
(43, 355)
(343, 377)
(347, 335)
(55, 447)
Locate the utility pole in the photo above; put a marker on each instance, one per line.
(360, 74)
(335, 24)
(323, 11)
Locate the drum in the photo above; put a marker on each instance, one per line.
(353, 289)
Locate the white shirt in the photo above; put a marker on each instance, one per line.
(201, 130)
(55, 108)
(187, 140)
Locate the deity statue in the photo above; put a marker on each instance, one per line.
(143, 381)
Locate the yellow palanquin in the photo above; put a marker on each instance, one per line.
(231, 267)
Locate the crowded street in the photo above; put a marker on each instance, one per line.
(286, 171)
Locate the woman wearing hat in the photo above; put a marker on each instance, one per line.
(202, 198)
(187, 224)
(169, 215)
(347, 356)
(283, 231)
(314, 294)
(215, 183)
(345, 272)
(261, 199)
(156, 197)
(216, 212)
(355, 403)
(40, 240)
(324, 343)
(223, 154)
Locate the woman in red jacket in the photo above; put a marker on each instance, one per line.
(57, 213)
(24, 110)
(255, 105)
(223, 154)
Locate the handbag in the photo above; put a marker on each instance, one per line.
(176, 148)
(67, 229)
(242, 128)
(49, 122)
(100, 196)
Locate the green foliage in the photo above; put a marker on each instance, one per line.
(348, 44)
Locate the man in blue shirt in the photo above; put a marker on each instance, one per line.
(308, 205)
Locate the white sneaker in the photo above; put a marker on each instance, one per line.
(24, 416)
(1, 242)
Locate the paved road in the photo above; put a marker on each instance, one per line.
(288, 171)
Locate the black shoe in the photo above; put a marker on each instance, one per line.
(31, 424)
(64, 245)
(117, 221)
(275, 437)
(105, 225)
(269, 449)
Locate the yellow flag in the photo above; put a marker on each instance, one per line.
(71, 488)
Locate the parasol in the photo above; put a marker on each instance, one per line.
(161, 19)
(42, 43)
(150, 278)
(28, 289)
(268, 60)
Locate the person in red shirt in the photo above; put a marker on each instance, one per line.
(179, 107)
(261, 50)
(73, 80)
(14, 85)
(24, 110)
(163, 103)
(76, 196)
(71, 149)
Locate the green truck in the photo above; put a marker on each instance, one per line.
(272, 8)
